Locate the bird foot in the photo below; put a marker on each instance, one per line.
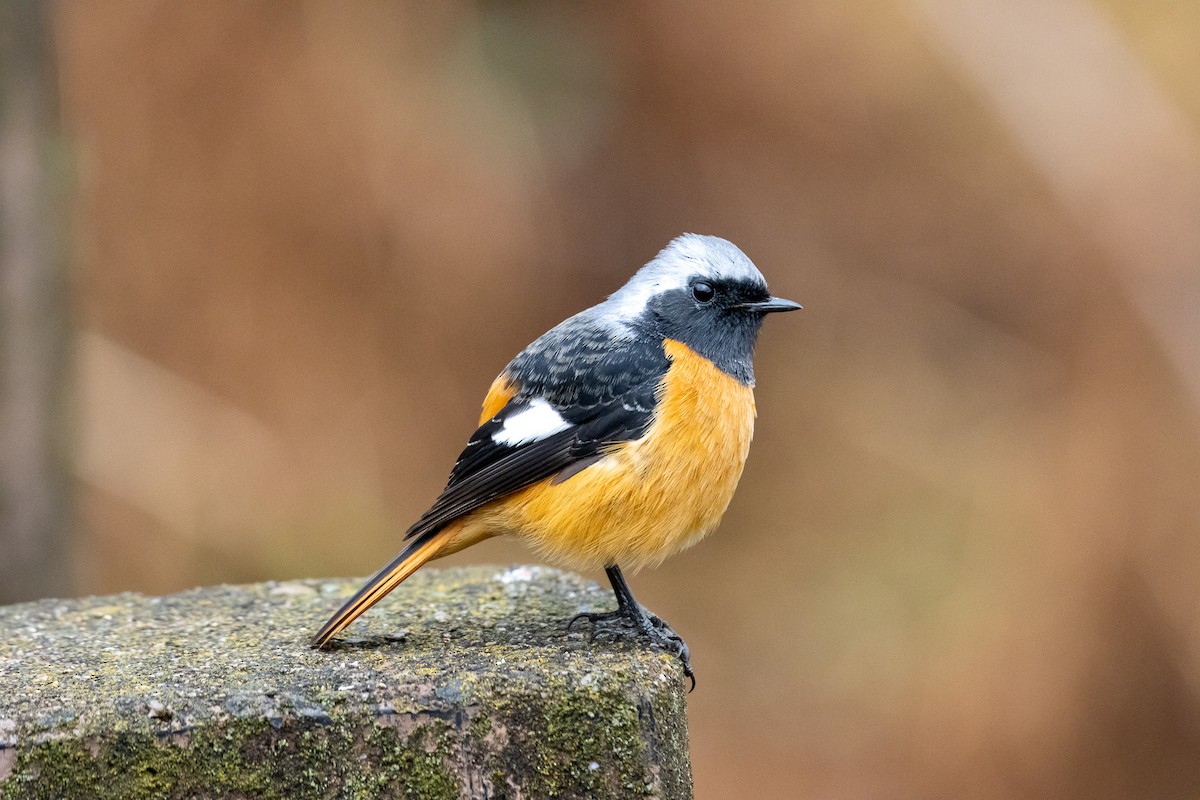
(661, 635)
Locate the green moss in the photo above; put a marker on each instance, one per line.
(242, 759)
(415, 771)
(553, 741)
(561, 743)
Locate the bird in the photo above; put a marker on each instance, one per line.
(617, 438)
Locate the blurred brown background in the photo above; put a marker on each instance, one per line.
(964, 560)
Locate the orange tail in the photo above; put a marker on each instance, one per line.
(417, 553)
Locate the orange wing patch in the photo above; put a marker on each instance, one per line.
(497, 398)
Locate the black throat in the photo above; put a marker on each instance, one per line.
(722, 332)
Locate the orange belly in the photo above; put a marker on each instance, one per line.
(649, 498)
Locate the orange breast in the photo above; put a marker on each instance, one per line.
(651, 497)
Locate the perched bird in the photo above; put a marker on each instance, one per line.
(617, 437)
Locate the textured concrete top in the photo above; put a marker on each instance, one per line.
(462, 683)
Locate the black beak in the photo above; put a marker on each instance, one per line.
(773, 304)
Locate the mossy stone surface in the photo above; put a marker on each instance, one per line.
(462, 683)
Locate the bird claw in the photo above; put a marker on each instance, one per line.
(664, 637)
(661, 635)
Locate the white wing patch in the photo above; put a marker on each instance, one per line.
(536, 421)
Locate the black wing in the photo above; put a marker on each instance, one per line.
(602, 385)
(489, 468)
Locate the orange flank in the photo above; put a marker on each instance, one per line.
(501, 391)
(648, 498)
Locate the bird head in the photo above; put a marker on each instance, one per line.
(704, 292)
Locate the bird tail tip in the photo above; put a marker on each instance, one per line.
(418, 552)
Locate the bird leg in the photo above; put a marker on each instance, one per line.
(632, 614)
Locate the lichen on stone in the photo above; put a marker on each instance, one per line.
(462, 683)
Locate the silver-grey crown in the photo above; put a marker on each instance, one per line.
(685, 257)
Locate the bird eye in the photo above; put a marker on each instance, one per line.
(703, 292)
